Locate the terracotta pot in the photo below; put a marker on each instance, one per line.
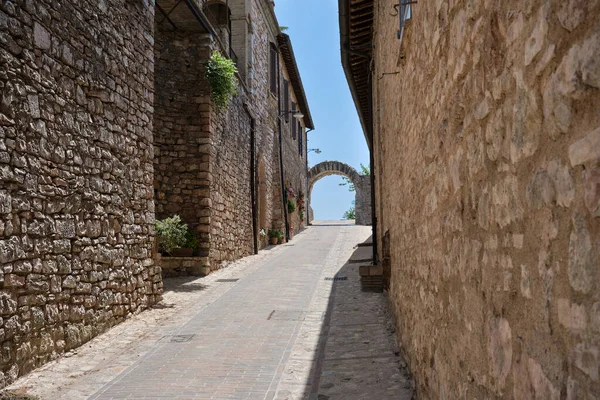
(273, 240)
(182, 252)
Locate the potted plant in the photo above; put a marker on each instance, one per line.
(275, 235)
(187, 249)
(291, 206)
(174, 238)
(262, 233)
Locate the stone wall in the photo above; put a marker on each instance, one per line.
(294, 157)
(362, 201)
(362, 187)
(265, 111)
(487, 151)
(76, 207)
(182, 136)
(231, 235)
(203, 154)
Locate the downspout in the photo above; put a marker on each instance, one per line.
(372, 167)
(283, 191)
(306, 202)
(253, 181)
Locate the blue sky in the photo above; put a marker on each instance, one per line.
(314, 30)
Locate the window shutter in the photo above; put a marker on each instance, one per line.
(273, 69)
(294, 124)
(286, 100)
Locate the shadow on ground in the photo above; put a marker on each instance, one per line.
(357, 356)
(183, 284)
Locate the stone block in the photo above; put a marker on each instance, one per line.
(364, 270)
(572, 316)
(41, 36)
(586, 359)
(586, 149)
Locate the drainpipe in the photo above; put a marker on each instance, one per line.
(306, 202)
(372, 167)
(283, 191)
(253, 181)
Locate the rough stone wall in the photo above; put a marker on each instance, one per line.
(182, 131)
(487, 149)
(263, 106)
(231, 235)
(362, 202)
(76, 207)
(203, 157)
(294, 159)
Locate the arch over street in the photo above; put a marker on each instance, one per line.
(362, 184)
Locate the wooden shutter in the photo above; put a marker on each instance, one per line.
(273, 69)
(286, 100)
(294, 124)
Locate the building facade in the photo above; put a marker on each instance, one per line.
(482, 120)
(76, 155)
(227, 172)
(106, 123)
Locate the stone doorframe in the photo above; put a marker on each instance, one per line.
(362, 184)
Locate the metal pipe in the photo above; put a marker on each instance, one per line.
(253, 181)
(306, 202)
(283, 191)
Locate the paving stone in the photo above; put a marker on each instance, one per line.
(236, 351)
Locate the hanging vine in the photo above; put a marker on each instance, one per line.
(220, 72)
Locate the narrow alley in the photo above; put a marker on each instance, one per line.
(271, 326)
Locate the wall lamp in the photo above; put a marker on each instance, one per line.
(317, 151)
(297, 114)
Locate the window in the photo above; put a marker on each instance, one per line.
(273, 69)
(286, 100)
(300, 138)
(219, 16)
(294, 125)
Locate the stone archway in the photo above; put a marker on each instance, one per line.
(362, 184)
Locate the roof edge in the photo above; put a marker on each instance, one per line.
(285, 46)
(345, 56)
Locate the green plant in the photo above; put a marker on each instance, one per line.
(171, 233)
(301, 215)
(220, 72)
(191, 240)
(291, 206)
(275, 233)
(350, 213)
(364, 170)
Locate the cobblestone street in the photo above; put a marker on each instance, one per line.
(282, 330)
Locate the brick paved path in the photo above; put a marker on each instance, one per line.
(281, 331)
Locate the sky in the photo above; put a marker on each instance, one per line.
(314, 30)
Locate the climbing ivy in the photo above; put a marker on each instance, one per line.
(220, 72)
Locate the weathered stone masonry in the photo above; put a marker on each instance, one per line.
(182, 130)
(76, 201)
(486, 142)
(362, 187)
(203, 157)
